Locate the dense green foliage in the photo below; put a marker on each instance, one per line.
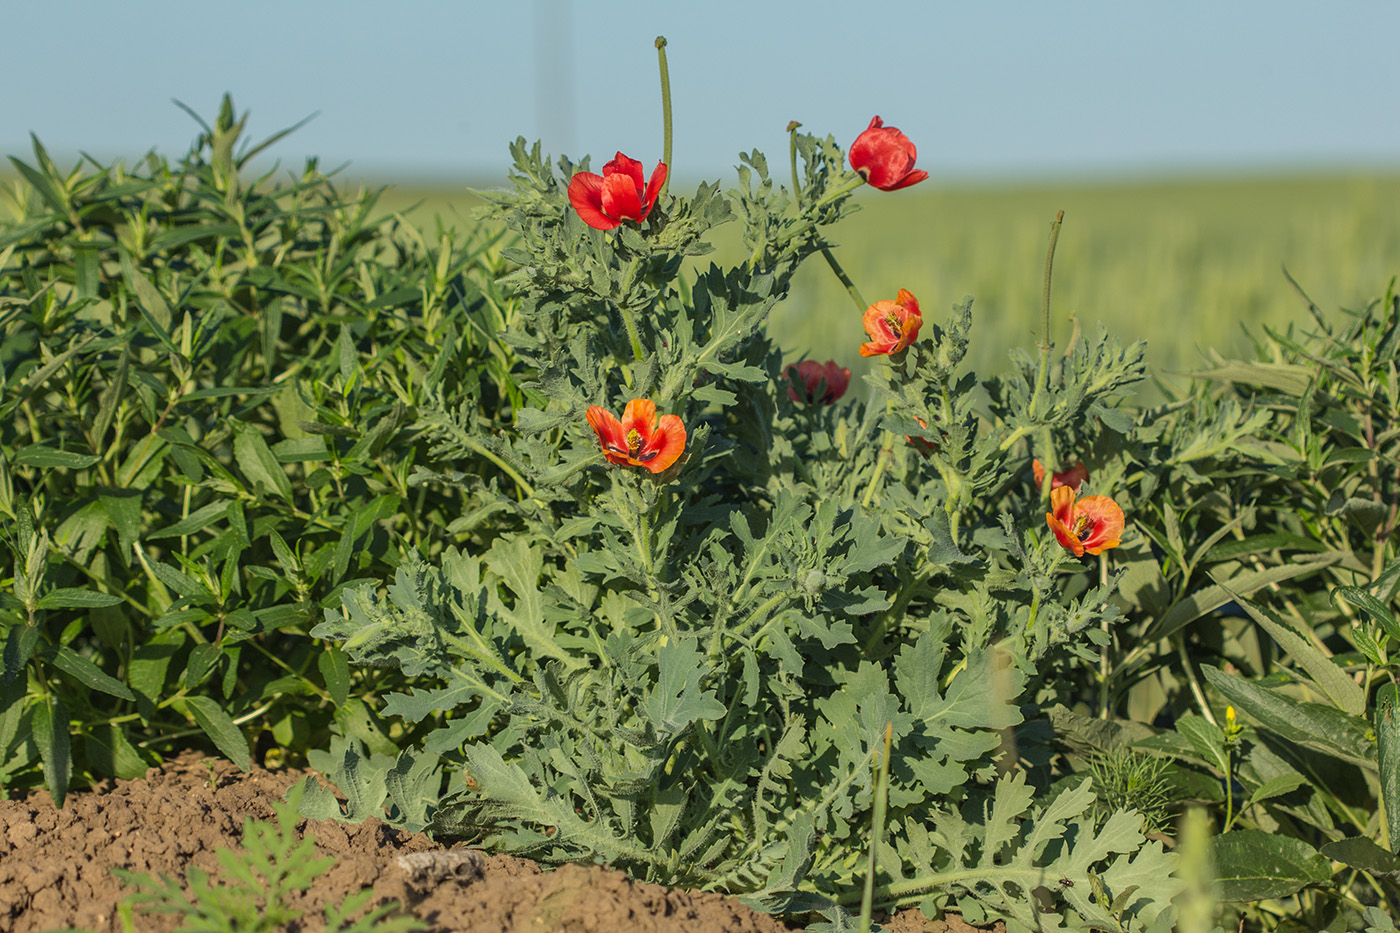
(278, 475)
(209, 392)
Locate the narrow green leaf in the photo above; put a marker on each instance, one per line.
(19, 645)
(256, 461)
(41, 455)
(110, 752)
(50, 723)
(1207, 739)
(1213, 597)
(75, 597)
(149, 301)
(335, 669)
(88, 673)
(1325, 672)
(1312, 725)
(1277, 786)
(196, 521)
(1388, 756)
(220, 728)
(1361, 853)
(1371, 606)
(1252, 865)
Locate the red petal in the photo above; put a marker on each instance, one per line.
(622, 198)
(910, 178)
(658, 178)
(586, 195)
(629, 168)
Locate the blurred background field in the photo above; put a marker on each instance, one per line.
(1187, 265)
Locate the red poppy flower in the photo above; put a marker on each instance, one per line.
(639, 439)
(884, 157)
(809, 375)
(605, 201)
(1087, 526)
(892, 325)
(1074, 477)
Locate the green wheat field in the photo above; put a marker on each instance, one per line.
(1187, 266)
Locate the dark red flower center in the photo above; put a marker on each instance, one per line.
(1082, 528)
(892, 322)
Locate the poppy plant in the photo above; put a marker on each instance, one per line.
(891, 325)
(918, 443)
(1074, 477)
(639, 439)
(805, 381)
(605, 201)
(1087, 526)
(884, 157)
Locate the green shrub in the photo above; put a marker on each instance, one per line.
(207, 431)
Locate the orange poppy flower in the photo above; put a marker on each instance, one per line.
(1074, 477)
(891, 325)
(1088, 526)
(884, 157)
(639, 439)
(605, 201)
(805, 380)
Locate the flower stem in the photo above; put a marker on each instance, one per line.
(845, 279)
(1044, 374)
(628, 320)
(792, 157)
(665, 109)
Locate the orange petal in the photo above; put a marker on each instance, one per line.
(1062, 533)
(665, 446)
(1062, 504)
(639, 416)
(1107, 523)
(611, 437)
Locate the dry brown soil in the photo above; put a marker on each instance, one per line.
(55, 866)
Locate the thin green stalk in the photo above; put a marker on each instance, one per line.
(1044, 372)
(877, 831)
(665, 109)
(1104, 665)
(633, 335)
(628, 320)
(886, 454)
(792, 157)
(845, 279)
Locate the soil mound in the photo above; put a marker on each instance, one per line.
(55, 865)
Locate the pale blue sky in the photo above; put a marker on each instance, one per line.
(988, 91)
